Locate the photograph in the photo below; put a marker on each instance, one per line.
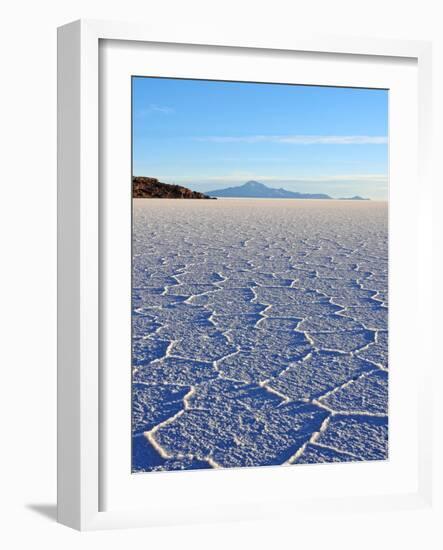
(259, 274)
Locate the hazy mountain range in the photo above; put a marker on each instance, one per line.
(152, 188)
(257, 190)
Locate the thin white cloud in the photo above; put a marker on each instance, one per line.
(154, 108)
(299, 139)
(349, 177)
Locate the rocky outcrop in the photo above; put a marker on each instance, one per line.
(151, 188)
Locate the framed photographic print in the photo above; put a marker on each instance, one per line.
(235, 295)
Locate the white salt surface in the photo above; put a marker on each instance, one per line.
(259, 332)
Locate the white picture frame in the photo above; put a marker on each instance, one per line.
(81, 398)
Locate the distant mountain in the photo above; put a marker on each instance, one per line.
(151, 188)
(256, 190)
(354, 198)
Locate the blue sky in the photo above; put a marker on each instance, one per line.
(209, 135)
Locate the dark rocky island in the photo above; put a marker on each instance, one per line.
(151, 188)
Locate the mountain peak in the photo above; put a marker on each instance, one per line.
(255, 184)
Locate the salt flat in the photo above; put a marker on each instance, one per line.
(259, 332)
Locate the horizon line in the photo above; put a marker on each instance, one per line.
(332, 179)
